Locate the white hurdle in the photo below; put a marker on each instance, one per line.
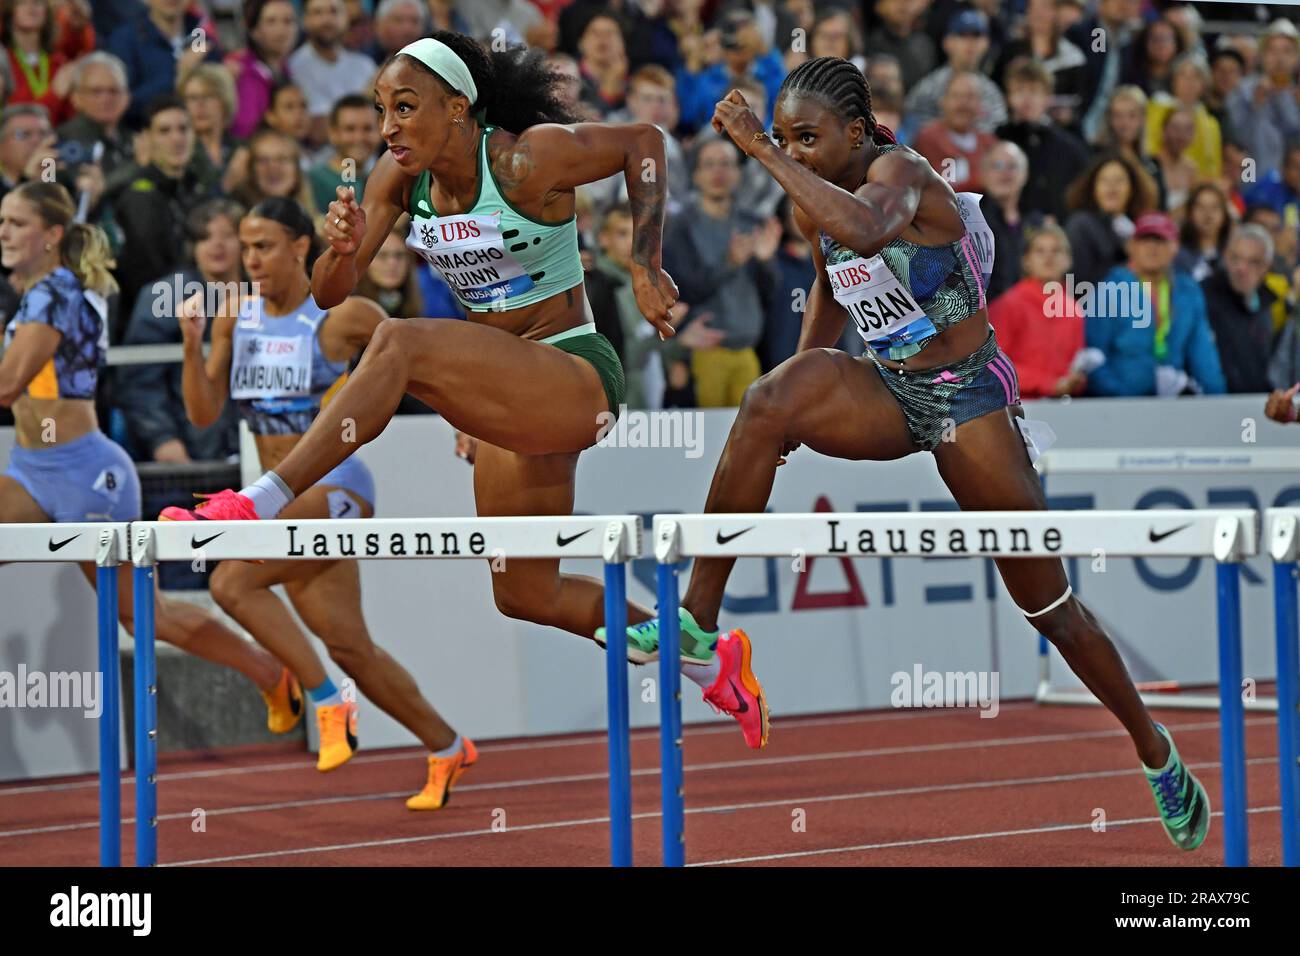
(615, 540)
(1227, 535)
(1155, 461)
(106, 546)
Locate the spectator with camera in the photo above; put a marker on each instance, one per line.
(743, 55)
(100, 97)
(1105, 202)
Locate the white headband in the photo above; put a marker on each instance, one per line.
(443, 60)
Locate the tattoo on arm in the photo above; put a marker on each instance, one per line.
(513, 166)
(646, 198)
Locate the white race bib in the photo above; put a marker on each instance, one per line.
(469, 253)
(271, 366)
(977, 228)
(872, 295)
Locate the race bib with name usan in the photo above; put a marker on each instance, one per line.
(881, 308)
(270, 367)
(470, 255)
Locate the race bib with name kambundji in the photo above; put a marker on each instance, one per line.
(271, 367)
(469, 253)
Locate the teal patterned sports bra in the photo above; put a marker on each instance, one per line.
(906, 294)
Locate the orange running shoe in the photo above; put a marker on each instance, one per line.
(338, 734)
(443, 774)
(225, 505)
(737, 691)
(283, 703)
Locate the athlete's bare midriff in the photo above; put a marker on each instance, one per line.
(46, 422)
(559, 313)
(951, 345)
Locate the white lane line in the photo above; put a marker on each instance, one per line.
(406, 753)
(929, 841)
(721, 808)
(654, 771)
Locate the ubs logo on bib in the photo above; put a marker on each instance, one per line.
(428, 236)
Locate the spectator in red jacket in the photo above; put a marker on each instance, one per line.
(30, 37)
(1039, 324)
(954, 143)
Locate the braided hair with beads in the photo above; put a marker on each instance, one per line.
(842, 87)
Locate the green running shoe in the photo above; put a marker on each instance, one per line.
(1183, 804)
(643, 640)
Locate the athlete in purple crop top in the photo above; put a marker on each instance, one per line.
(62, 468)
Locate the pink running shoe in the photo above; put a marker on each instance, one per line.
(737, 691)
(225, 505)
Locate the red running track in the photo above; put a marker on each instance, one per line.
(914, 788)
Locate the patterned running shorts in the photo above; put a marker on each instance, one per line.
(935, 400)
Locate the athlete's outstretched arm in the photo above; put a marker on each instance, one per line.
(355, 232)
(864, 221)
(550, 158)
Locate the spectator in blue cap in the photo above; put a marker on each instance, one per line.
(966, 44)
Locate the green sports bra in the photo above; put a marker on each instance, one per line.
(494, 257)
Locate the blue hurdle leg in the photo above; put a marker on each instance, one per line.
(110, 753)
(620, 759)
(146, 722)
(1288, 706)
(1232, 725)
(670, 719)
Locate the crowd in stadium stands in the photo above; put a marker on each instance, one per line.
(1140, 172)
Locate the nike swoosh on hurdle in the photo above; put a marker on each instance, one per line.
(55, 546)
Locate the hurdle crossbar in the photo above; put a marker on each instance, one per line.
(1154, 461)
(1227, 535)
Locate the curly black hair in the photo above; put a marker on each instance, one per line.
(842, 87)
(516, 89)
